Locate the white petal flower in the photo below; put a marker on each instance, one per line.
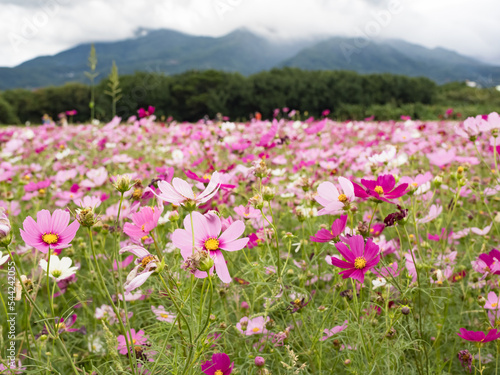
(59, 269)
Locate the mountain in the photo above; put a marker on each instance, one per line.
(172, 52)
(165, 51)
(393, 56)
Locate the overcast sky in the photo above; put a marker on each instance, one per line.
(30, 28)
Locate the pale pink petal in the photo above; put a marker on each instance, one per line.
(183, 188)
(43, 220)
(234, 231)
(221, 267)
(69, 233)
(347, 187)
(234, 245)
(138, 251)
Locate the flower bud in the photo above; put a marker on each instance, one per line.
(256, 201)
(259, 361)
(122, 183)
(270, 324)
(268, 193)
(405, 310)
(481, 301)
(206, 262)
(86, 217)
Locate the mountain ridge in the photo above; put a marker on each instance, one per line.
(172, 52)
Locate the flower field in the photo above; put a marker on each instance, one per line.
(266, 247)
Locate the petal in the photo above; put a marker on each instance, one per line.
(31, 227)
(328, 192)
(43, 221)
(211, 188)
(183, 188)
(234, 231)
(387, 182)
(69, 233)
(345, 252)
(234, 245)
(358, 275)
(213, 224)
(347, 187)
(182, 239)
(338, 225)
(357, 245)
(168, 193)
(138, 281)
(59, 221)
(340, 263)
(221, 267)
(138, 251)
(221, 360)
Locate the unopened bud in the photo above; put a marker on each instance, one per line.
(122, 183)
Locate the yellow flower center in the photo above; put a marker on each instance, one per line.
(494, 304)
(146, 260)
(142, 228)
(256, 329)
(27, 177)
(297, 301)
(60, 326)
(415, 184)
(212, 244)
(164, 316)
(218, 372)
(359, 263)
(343, 198)
(50, 238)
(379, 190)
(144, 238)
(207, 176)
(41, 191)
(134, 341)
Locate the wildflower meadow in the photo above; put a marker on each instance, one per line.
(283, 246)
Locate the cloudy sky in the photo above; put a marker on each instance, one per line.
(30, 28)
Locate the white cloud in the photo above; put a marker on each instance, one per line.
(45, 27)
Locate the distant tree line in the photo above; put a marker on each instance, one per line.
(192, 95)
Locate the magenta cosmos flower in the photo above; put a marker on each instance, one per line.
(49, 231)
(382, 189)
(331, 199)
(181, 193)
(325, 235)
(144, 222)
(359, 257)
(208, 236)
(219, 365)
(479, 336)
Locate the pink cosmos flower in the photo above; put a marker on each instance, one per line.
(87, 201)
(410, 266)
(330, 198)
(382, 189)
(479, 336)
(488, 263)
(359, 257)
(163, 315)
(146, 265)
(95, 178)
(144, 222)
(324, 235)
(208, 237)
(136, 339)
(219, 365)
(254, 326)
(492, 302)
(181, 193)
(330, 332)
(49, 230)
(434, 212)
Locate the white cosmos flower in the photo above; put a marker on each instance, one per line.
(59, 269)
(4, 258)
(177, 155)
(385, 156)
(378, 282)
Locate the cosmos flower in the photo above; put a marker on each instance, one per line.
(330, 332)
(382, 189)
(492, 302)
(163, 315)
(331, 199)
(136, 339)
(144, 222)
(207, 236)
(49, 230)
(219, 365)
(324, 235)
(146, 265)
(479, 336)
(434, 212)
(359, 258)
(59, 269)
(254, 326)
(181, 193)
